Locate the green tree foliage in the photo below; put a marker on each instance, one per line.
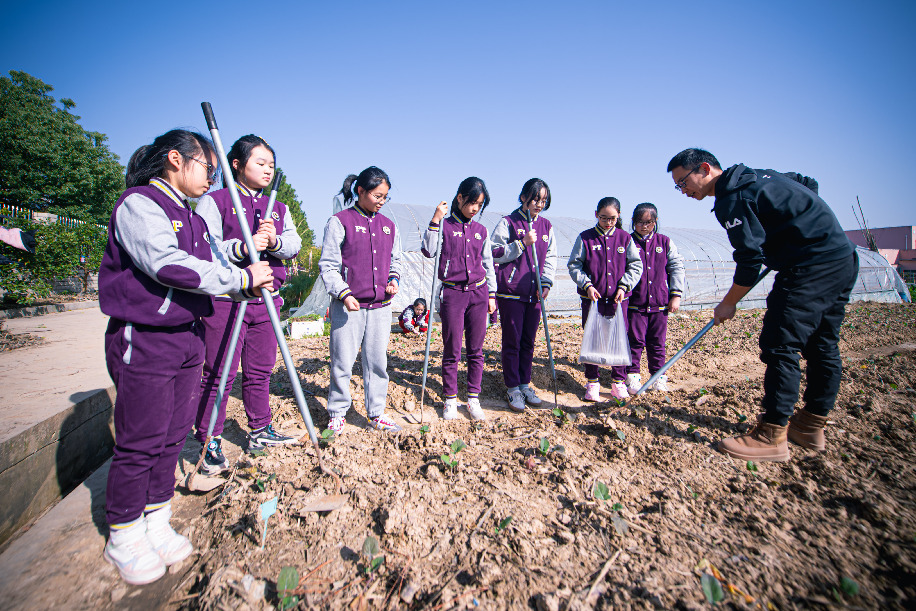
(48, 161)
(287, 195)
(57, 256)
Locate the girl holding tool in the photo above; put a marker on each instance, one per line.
(605, 265)
(253, 162)
(159, 269)
(468, 289)
(516, 285)
(657, 293)
(360, 265)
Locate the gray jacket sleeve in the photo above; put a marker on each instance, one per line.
(576, 265)
(505, 247)
(330, 264)
(633, 271)
(431, 240)
(549, 264)
(487, 261)
(677, 271)
(146, 233)
(288, 243)
(397, 261)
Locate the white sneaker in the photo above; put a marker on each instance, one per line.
(634, 383)
(450, 412)
(131, 552)
(619, 390)
(170, 546)
(661, 384)
(475, 410)
(337, 424)
(530, 397)
(516, 400)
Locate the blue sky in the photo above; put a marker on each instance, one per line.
(593, 97)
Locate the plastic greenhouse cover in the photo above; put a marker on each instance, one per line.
(707, 257)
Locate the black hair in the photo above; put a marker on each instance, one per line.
(692, 158)
(641, 210)
(347, 189)
(372, 177)
(471, 189)
(148, 161)
(531, 189)
(241, 150)
(610, 202)
(420, 301)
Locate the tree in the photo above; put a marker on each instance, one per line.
(49, 162)
(287, 194)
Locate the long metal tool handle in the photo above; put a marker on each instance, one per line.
(690, 343)
(429, 324)
(537, 274)
(265, 292)
(237, 326)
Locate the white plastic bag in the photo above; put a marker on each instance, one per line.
(604, 339)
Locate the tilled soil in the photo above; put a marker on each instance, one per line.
(510, 526)
(12, 341)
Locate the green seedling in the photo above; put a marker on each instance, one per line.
(703, 391)
(559, 413)
(692, 493)
(327, 436)
(848, 587)
(621, 435)
(712, 589)
(287, 582)
(543, 446)
(424, 429)
(616, 507)
(601, 491)
(751, 466)
(691, 429)
(451, 459)
(892, 385)
(371, 551)
(502, 524)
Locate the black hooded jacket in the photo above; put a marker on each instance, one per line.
(774, 220)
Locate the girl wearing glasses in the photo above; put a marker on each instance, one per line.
(605, 265)
(516, 285)
(360, 265)
(253, 162)
(657, 294)
(159, 269)
(468, 289)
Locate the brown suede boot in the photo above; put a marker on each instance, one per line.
(807, 430)
(764, 442)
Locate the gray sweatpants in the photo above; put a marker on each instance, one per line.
(370, 329)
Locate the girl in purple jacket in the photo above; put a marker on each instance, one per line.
(658, 293)
(158, 271)
(605, 265)
(253, 162)
(468, 289)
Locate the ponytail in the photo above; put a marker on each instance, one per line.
(347, 189)
(148, 161)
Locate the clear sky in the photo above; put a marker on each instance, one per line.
(593, 97)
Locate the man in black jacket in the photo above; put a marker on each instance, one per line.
(781, 222)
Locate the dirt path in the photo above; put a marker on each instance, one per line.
(510, 527)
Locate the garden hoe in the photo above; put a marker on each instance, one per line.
(537, 274)
(429, 325)
(689, 344)
(205, 483)
(330, 502)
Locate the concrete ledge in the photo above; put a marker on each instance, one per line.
(47, 309)
(47, 461)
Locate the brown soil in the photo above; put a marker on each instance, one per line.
(11, 341)
(777, 536)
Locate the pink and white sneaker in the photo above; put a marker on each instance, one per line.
(592, 390)
(619, 391)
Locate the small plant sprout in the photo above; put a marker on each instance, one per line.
(543, 446)
(692, 493)
(601, 491)
(451, 459)
(751, 466)
(424, 429)
(712, 589)
(621, 435)
(559, 413)
(371, 551)
(690, 429)
(502, 524)
(287, 582)
(848, 587)
(327, 436)
(703, 391)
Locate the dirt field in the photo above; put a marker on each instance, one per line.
(510, 527)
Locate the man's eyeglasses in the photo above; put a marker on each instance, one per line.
(679, 185)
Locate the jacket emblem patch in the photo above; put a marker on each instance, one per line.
(521, 232)
(457, 234)
(176, 225)
(544, 237)
(477, 236)
(360, 229)
(735, 222)
(386, 229)
(658, 249)
(275, 215)
(620, 249)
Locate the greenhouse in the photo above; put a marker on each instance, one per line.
(707, 254)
